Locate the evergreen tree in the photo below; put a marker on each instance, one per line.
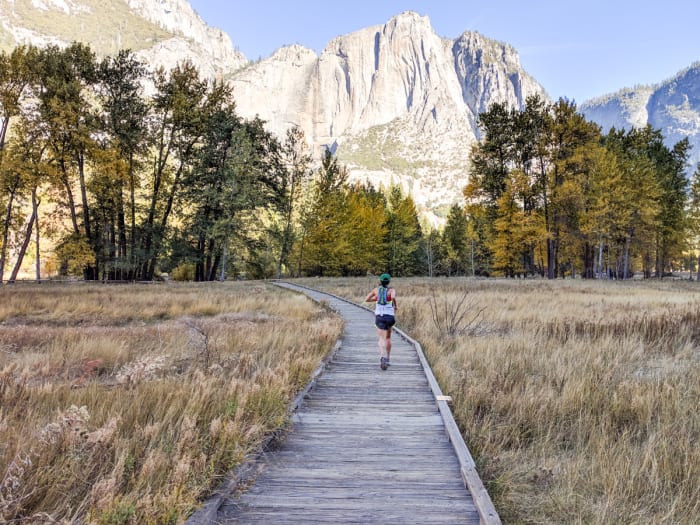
(297, 171)
(403, 234)
(325, 252)
(455, 242)
(365, 230)
(640, 200)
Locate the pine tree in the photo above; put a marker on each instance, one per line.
(403, 234)
(365, 230)
(325, 252)
(455, 242)
(296, 163)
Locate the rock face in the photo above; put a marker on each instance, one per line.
(396, 102)
(210, 48)
(672, 106)
(162, 32)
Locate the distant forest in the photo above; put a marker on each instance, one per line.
(110, 172)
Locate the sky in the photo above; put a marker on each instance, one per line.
(577, 50)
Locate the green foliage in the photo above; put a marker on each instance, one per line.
(403, 234)
(455, 242)
(120, 513)
(326, 251)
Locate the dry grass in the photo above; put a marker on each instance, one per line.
(579, 400)
(128, 404)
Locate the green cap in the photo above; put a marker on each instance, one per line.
(385, 278)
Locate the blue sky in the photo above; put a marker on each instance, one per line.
(576, 50)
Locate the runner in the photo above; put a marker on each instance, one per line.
(384, 312)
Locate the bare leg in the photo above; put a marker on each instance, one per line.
(387, 343)
(381, 342)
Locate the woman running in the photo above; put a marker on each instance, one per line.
(384, 312)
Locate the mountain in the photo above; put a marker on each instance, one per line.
(396, 102)
(673, 106)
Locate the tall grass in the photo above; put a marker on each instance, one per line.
(579, 400)
(128, 404)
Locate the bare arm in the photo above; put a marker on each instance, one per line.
(371, 296)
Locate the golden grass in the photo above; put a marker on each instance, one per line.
(129, 403)
(579, 400)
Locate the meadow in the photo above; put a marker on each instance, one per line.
(129, 403)
(578, 400)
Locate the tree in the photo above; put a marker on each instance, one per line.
(403, 234)
(124, 121)
(297, 171)
(365, 230)
(28, 154)
(18, 78)
(516, 230)
(324, 251)
(454, 242)
(608, 213)
(65, 108)
(670, 167)
(572, 140)
(178, 124)
(640, 199)
(694, 215)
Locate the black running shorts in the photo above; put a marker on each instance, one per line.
(384, 322)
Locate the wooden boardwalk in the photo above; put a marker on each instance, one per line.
(367, 446)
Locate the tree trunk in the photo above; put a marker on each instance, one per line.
(627, 255)
(3, 130)
(23, 248)
(222, 277)
(214, 267)
(121, 233)
(551, 266)
(35, 205)
(301, 253)
(133, 262)
(83, 196)
(6, 233)
(71, 200)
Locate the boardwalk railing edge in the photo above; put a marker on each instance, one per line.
(482, 500)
